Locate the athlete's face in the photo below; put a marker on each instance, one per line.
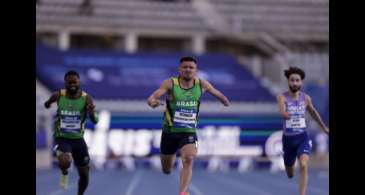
(188, 70)
(72, 84)
(294, 82)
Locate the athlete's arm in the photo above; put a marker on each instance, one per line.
(154, 99)
(209, 88)
(90, 109)
(315, 115)
(54, 97)
(282, 107)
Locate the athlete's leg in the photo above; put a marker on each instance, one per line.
(303, 161)
(81, 158)
(289, 171)
(63, 152)
(188, 153)
(303, 156)
(64, 161)
(167, 162)
(83, 179)
(290, 155)
(289, 161)
(168, 147)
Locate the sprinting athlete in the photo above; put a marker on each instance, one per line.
(293, 105)
(73, 106)
(181, 117)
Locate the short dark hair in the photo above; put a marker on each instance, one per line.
(188, 59)
(71, 73)
(294, 70)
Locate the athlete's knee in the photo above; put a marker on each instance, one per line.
(167, 162)
(166, 171)
(64, 160)
(303, 165)
(188, 160)
(290, 172)
(65, 157)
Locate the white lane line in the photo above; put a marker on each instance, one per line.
(244, 186)
(133, 184)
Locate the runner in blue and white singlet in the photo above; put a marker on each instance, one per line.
(296, 109)
(293, 105)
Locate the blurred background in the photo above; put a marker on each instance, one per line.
(124, 49)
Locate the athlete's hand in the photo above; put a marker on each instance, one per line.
(47, 105)
(226, 103)
(285, 115)
(90, 108)
(155, 103)
(54, 97)
(224, 100)
(327, 130)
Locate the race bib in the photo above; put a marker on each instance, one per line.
(70, 123)
(295, 123)
(185, 118)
